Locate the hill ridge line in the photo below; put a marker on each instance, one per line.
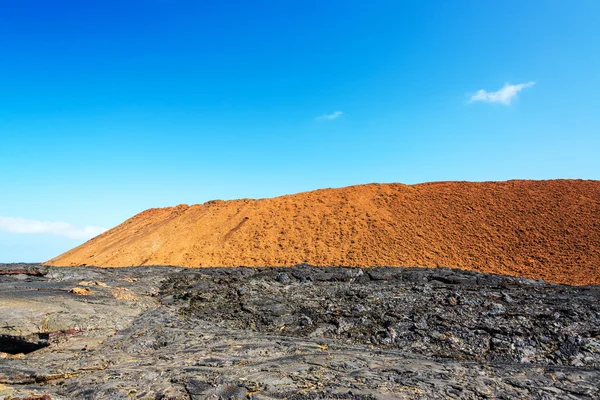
(539, 229)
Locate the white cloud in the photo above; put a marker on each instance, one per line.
(22, 225)
(504, 95)
(331, 116)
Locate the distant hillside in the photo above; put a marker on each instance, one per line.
(537, 229)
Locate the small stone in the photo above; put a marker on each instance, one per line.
(507, 298)
(305, 320)
(496, 309)
(359, 308)
(391, 333)
(422, 324)
(242, 291)
(80, 291)
(283, 277)
(452, 301)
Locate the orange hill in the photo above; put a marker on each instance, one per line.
(536, 229)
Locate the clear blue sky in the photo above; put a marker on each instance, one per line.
(111, 107)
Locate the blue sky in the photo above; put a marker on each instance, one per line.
(108, 108)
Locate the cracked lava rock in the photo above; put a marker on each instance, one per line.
(301, 332)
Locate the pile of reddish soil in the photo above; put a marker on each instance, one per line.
(536, 229)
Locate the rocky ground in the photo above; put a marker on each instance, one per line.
(293, 333)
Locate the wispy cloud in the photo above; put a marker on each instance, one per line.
(22, 225)
(504, 95)
(330, 117)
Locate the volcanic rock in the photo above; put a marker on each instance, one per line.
(323, 333)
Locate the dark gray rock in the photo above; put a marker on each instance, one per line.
(320, 333)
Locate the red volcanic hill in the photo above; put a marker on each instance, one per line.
(536, 229)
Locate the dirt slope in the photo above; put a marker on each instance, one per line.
(535, 229)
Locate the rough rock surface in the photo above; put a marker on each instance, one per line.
(295, 333)
(535, 229)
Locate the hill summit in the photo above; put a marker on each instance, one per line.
(535, 229)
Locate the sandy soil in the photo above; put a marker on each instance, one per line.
(535, 229)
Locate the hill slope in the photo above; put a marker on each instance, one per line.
(535, 229)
